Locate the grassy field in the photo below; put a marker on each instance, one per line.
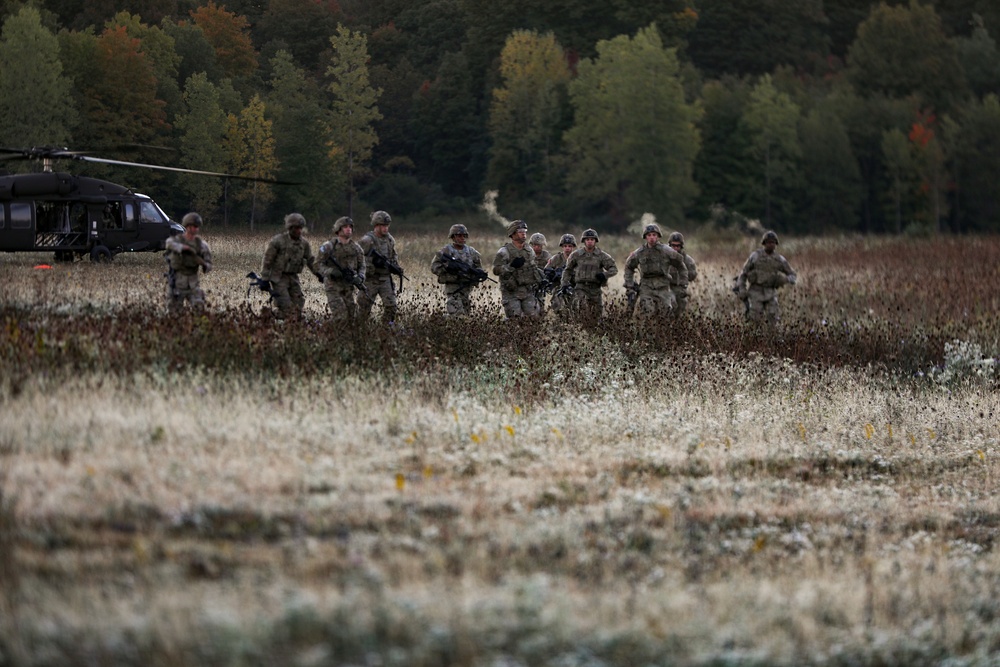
(224, 488)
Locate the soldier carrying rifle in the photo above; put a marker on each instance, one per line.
(185, 254)
(459, 268)
(382, 264)
(342, 263)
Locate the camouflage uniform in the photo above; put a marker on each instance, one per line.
(518, 279)
(284, 260)
(659, 265)
(542, 256)
(343, 268)
(762, 276)
(185, 256)
(456, 288)
(679, 282)
(561, 302)
(588, 272)
(378, 279)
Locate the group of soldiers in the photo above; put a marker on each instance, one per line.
(355, 273)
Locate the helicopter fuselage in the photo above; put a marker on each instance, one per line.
(74, 216)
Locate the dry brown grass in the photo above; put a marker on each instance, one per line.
(696, 508)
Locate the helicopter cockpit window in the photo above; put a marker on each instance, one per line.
(20, 215)
(150, 212)
(130, 221)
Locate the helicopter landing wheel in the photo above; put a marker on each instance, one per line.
(100, 255)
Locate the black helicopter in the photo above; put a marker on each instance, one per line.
(77, 216)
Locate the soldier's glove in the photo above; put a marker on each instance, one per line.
(791, 279)
(601, 278)
(265, 285)
(357, 280)
(517, 263)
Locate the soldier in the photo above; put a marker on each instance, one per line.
(561, 301)
(538, 243)
(588, 270)
(286, 255)
(678, 283)
(185, 253)
(763, 274)
(519, 276)
(380, 254)
(459, 268)
(657, 264)
(342, 263)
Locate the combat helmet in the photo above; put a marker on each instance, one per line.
(652, 228)
(537, 239)
(567, 239)
(769, 236)
(294, 220)
(590, 234)
(676, 237)
(380, 218)
(341, 223)
(190, 219)
(457, 229)
(515, 225)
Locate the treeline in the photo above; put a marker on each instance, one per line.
(808, 115)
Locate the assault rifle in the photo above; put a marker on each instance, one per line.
(744, 299)
(349, 276)
(380, 261)
(261, 284)
(469, 275)
(631, 296)
(551, 280)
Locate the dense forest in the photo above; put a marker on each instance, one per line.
(812, 116)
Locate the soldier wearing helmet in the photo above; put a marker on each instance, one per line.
(561, 301)
(587, 272)
(455, 266)
(763, 274)
(519, 275)
(379, 247)
(679, 282)
(285, 257)
(342, 263)
(185, 253)
(537, 242)
(656, 263)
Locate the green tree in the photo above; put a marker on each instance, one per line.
(898, 157)
(354, 109)
(298, 112)
(195, 53)
(35, 102)
(449, 132)
(979, 58)
(202, 132)
(252, 155)
(158, 47)
(301, 27)
(752, 37)
(902, 51)
(526, 116)
(634, 140)
(724, 168)
(771, 119)
(830, 176)
(975, 138)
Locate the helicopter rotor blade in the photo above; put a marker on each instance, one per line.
(201, 172)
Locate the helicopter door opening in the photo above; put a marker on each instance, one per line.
(60, 225)
(18, 226)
